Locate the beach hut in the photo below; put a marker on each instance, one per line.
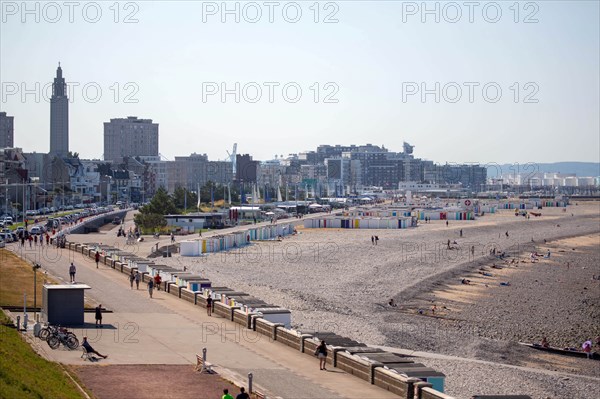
(276, 315)
(420, 371)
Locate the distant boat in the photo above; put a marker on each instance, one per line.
(565, 352)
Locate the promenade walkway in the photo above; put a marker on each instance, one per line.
(166, 330)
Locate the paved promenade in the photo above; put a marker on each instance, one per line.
(167, 330)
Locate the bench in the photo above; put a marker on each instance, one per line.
(203, 366)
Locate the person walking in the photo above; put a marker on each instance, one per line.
(373, 240)
(97, 257)
(157, 281)
(587, 348)
(99, 316)
(131, 279)
(137, 280)
(321, 353)
(226, 394)
(461, 232)
(150, 287)
(242, 394)
(172, 237)
(376, 239)
(446, 223)
(72, 271)
(209, 302)
(89, 348)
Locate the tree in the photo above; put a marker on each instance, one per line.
(150, 220)
(161, 204)
(152, 216)
(179, 198)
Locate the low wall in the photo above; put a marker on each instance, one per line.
(354, 365)
(394, 382)
(173, 289)
(186, 294)
(267, 328)
(201, 300)
(243, 318)
(430, 393)
(223, 310)
(289, 338)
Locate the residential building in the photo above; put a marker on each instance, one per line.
(6, 130)
(130, 137)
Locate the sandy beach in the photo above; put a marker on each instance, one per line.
(337, 280)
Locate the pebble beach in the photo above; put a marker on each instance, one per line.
(337, 280)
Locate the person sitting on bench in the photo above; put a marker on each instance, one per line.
(89, 349)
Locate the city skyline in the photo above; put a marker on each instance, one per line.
(372, 62)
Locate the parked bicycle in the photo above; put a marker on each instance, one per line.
(55, 335)
(49, 330)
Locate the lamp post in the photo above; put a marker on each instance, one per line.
(35, 267)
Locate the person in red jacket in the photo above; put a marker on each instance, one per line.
(157, 281)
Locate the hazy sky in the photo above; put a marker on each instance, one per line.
(366, 72)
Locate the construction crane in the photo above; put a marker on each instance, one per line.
(232, 157)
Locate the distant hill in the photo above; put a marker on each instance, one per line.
(581, 169)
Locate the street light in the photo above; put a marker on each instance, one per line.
(35, 267)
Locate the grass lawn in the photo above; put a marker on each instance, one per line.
(24, 374)
(17, 277)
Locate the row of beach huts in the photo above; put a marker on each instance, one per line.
(403, 217)
(238, 239)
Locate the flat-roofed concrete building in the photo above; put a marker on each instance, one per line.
(130, 137)
(6, 131)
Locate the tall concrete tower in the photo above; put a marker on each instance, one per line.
(59, 117)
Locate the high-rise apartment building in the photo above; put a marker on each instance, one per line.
(130, 137)
(6, 131)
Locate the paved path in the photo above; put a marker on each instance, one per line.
(167, 330)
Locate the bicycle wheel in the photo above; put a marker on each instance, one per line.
(44, 334)
(72, 342)
(53, 342)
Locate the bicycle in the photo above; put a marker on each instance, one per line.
(62, 336)
(49, 330)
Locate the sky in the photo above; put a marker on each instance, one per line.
(495, 82)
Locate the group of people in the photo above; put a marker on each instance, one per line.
(33, 239)
(374, 240)
(154, 282)
(587, 346)
(241, 395)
